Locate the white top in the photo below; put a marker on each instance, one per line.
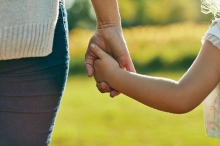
(211, 104)
(27, 27)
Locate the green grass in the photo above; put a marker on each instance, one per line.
(89, 118)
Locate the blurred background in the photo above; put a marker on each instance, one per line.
(163, 38)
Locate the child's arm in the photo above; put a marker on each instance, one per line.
(160, 93)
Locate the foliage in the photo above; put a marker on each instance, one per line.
(152, 48)
(139, 12)
(80, 15)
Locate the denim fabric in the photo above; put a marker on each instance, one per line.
(31, 90)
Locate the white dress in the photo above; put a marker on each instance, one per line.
(211, 105)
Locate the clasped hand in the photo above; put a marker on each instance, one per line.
(111, 40)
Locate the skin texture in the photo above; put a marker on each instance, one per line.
(109, 37)
(160, 93)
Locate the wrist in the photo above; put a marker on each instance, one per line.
(109, 31)
(101, 24)
(113, 76)
(107, 12)
(108, 19)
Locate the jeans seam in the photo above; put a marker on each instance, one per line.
(64, 29)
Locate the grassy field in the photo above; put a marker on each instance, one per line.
(89, 118)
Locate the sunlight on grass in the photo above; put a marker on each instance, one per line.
(89, 118)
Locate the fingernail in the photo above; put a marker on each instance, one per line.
(92, 45)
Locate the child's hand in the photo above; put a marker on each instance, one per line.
(104, 66)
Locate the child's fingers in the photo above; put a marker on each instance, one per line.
(98, 51)
(114, 93)
(103, 87)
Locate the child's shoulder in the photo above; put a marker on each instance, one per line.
(215, 22)
(213, 33)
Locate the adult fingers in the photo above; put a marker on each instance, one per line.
(125, 62)
(89, 63)
(95, 53)
(130, 66)
(89, 69)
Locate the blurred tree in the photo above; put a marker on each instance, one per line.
(80, 14)
(138, 12)
(166, 11)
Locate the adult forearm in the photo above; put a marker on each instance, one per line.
(107, 12)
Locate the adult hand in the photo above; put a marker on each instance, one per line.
(111, 40)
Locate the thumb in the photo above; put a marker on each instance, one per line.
(130, 67)
(98, 51)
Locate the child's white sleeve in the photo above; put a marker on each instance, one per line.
(213, 34)
(211, 105)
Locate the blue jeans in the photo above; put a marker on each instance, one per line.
(31, 90)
